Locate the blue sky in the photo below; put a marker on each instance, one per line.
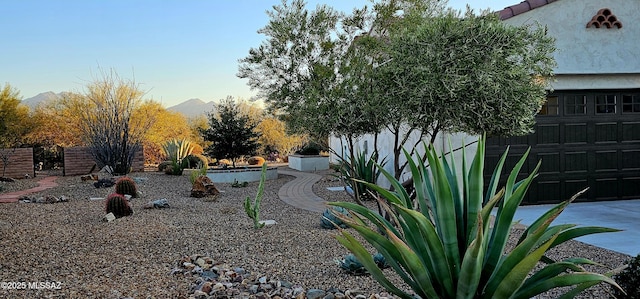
(175, 49)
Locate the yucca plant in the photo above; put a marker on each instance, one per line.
(177, 151)
(444, 245)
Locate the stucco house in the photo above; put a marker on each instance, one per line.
(588, 132)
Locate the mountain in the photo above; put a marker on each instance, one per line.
(193, 107)
(42, 98)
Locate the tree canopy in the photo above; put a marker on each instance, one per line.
(412, 67)
(15, 122)
(231, 133)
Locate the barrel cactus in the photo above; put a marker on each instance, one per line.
(329, 219)
(117, 205)
(126, 186)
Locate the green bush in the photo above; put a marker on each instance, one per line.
(163, 165)
(200, 170)
(194, 159)
(629, 280)
(449, 247)
(311, 148)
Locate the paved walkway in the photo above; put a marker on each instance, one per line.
(43, 184)
(299, 192)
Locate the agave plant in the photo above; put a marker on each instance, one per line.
(444, 245)
(177, 151)
(356, 170)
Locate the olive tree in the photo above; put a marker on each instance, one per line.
(410, 67)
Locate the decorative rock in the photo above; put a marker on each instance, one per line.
(89, 177)
(109, 217)
(315, 294)
(203, 186)
(268, 222)
(157, 204)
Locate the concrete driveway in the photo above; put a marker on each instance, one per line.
(624, 215)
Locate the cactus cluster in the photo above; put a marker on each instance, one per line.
(126, 186)
(118, 205)
(330, 220)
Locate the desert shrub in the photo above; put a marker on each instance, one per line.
(310, 148)
(256, 160)
(629, 280)
(200, 170)
(194, 159)
(444, 244)
(118, 205)
(163, 165)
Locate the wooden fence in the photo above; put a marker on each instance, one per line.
(19, 162)
(77, 161)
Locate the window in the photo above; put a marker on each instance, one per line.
(550, 107)
(575, 104)
(605, 104)
(630, 103)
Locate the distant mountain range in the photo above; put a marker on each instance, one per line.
(190, 108)
(193, 107)
(42, 98)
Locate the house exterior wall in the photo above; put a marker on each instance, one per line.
(385, 149)
(583, 50)
(590, 58)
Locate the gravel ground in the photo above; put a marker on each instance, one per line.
(133, 256)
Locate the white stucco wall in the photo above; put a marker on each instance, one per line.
(385, 149)
(583, 50)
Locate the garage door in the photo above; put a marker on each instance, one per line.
(584, 139)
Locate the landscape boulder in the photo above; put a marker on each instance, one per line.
(203, 186)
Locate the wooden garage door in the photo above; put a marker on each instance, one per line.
(584, 139)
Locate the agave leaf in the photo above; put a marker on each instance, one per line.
(568, 279)
(474, 197)
(392, 253)
(495, 177)
(556, 210)
(486, 210)
(471, 269)
(425, 240)
(516, 276)
(415, 268)
(507, 264)
(419, 184)
(503, 224)
(444, 209)
(365, 258)
(510, 186)
(577, 232)
(374, 217)
(552, 270)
